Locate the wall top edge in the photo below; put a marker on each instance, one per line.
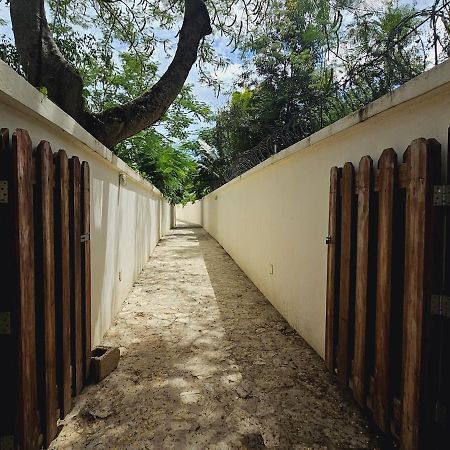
(424, 83)
(18, 93)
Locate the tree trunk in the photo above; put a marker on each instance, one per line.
(42, 62)
(45, 66)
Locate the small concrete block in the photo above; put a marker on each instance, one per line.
(104, 360)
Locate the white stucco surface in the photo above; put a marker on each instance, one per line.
(127, 221)
(190, 214)
(274, 218)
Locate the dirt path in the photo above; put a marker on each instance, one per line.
(208, 363)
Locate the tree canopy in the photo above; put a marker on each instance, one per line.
(306, 63)
(313, 62)
(47, 34)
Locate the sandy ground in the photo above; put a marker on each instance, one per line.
(207, 363)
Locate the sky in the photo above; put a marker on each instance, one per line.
(202, 92)
(226, 76)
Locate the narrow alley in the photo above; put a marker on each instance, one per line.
(208, 363)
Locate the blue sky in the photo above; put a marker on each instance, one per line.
(202, 92)
(226, 76)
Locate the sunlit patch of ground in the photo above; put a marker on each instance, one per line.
(208, 363)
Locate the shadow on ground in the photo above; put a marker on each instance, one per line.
(208, 363)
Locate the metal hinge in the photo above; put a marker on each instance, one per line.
(440, 305)
(85, 237)
(7, 442)
(441, 195)
(3, 191)
(5, 323)
(440, 413)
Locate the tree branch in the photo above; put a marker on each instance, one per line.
(45, 65)
(116, 124)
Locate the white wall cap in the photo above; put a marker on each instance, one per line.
(424, 83)
(18, 93)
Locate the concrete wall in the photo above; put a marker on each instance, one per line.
(276, 215)
(126, 221)
(189, 214)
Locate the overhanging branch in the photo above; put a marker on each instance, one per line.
(119, 123)
(45, 65)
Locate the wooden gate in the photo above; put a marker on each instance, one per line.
(45, 329)
(384, 336)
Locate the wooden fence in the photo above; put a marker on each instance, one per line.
(45, 276)
(387, 331)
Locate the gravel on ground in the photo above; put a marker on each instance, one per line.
(208, 363)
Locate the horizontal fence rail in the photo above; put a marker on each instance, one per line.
(384, 266)
(45, 273)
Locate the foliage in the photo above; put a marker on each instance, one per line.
(307, 64)
(146, 27)
(112, 79)
(8, 53)
(313, 62)
(172, 170)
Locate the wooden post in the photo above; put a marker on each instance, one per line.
(22, 291)
(364, 187)
(45, 290)
(333, 269)
(62, 281)
(76, 328)
(86, 268)
(345, 303)
(387, 168)
(7, 299)
(423, 159)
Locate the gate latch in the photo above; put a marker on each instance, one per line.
(440, 305)
(441, 195)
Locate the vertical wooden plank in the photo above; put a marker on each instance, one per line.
(387, 167)
(45, 291)
(423, 159)
(62, 281)
(364, 187)
(27, 431)
(332, 269)
(443, 393)
(7, 299)
(343, 356)
(86, 267)
(76, 329)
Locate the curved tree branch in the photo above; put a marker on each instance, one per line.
(116, 124)
(45, 66)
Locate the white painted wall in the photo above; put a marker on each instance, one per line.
(126, 221)
(189, 214)
(277, 213)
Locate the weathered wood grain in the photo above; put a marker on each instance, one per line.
(345, 292)
(27, 431)
(62, 281)
(333, 269)
(362, 273)
(86, 268)
(76, 311)
(423, 159)
(45, 290)
(387, 166)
